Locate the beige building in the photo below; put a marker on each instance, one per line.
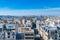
(28, 32)
(23, 21)
(47, 32)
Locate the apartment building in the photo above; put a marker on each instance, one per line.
(1, 30)
(20, 31)
(58, 32)
(37, 24)
(37, 37)
(28, 34)
(25, 32)
(47, 31)
(22, 21)
(9, 31)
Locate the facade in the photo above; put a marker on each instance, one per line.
(37, 37)
(47, 31)
(26, 32)
(20, 32)
(58, 30)
(20, 28)
(9, 32)
(1, 30)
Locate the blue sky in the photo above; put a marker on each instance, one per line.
(29, 4)
(29, 7)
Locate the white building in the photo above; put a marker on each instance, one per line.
(10, 32)
(1, 30)
(47, 31)
(58, 30)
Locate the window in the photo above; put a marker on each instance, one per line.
(29, 34)
(8, 36)
(52, 33)
(48, 31)
(13, 33)
(13, 36)
(59, 34)
(35, 31)
(28, 26)
(8, 33)
(58, 28)
(55, 37)
(27, 29)
(29, 38)
(0, 29)
(55, 31)
(10, 27)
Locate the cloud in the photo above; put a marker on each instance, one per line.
(37, 12)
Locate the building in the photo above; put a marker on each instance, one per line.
(9, 31)
(37, 37)
(58, 32)
(28, 34)
(47, 32)
(1, 30)
(20, 32)
(25, 32)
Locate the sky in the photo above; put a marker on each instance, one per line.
(29, 7)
